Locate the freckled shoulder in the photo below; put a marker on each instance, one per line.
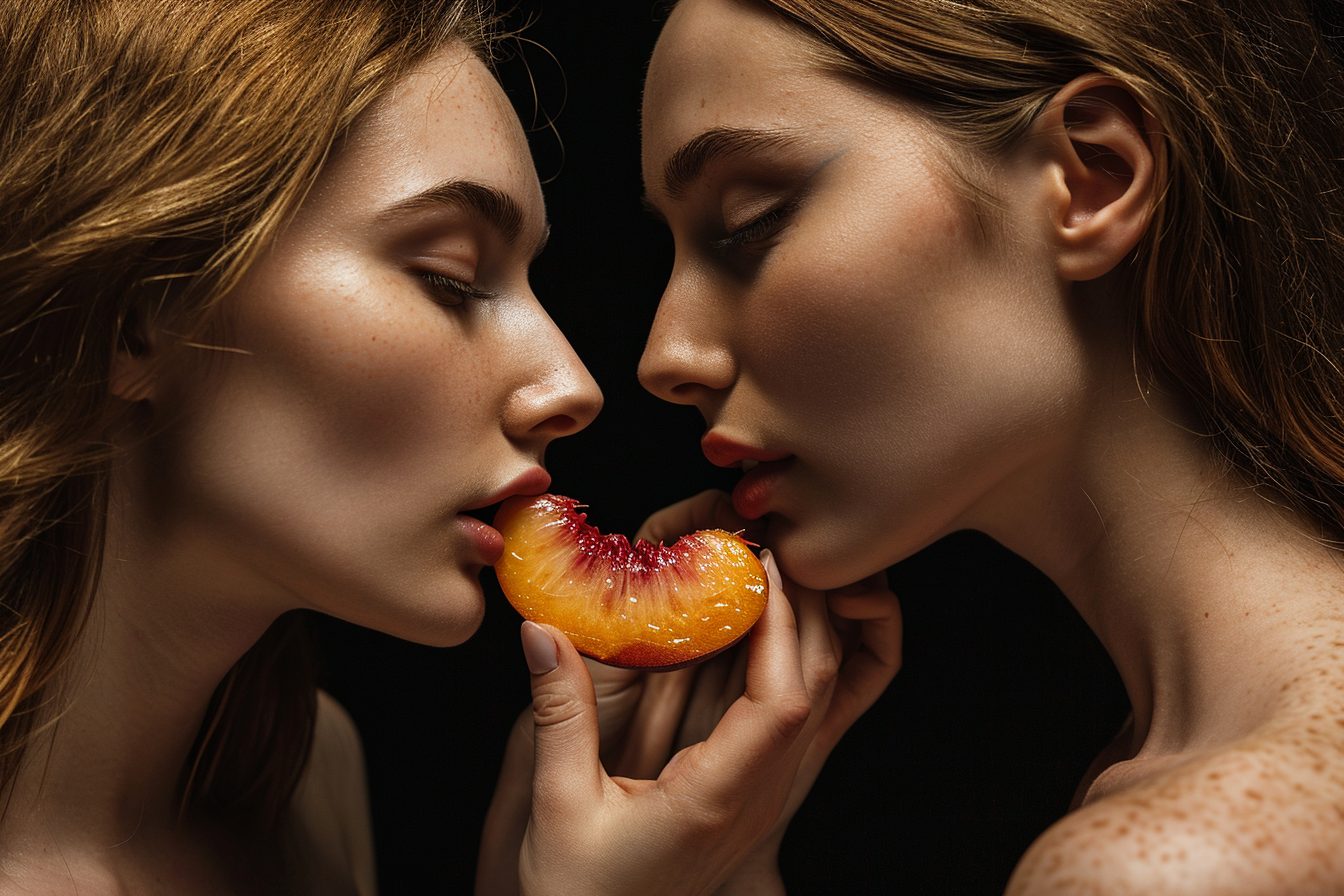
(1264, 816)
(332, 830)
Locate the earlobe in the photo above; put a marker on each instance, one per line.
(1109, 154)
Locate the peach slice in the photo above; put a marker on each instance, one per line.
(642, 605)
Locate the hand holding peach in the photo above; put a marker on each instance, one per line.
(746, 732)
(584, 831)
(591, 833)
(851, 667)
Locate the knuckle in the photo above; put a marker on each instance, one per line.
(711, 817)
(823, 672)
(790, 715)
(708, 823)
(550, 708)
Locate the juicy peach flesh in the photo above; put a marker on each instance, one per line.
(640, 605)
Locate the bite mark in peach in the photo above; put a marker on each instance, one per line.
(642, 605)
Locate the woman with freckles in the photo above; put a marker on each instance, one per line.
(267, 344)
(1069, 274)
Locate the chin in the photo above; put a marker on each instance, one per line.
(445, 616)
(803, 557)
(817, 557)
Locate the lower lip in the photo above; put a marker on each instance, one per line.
(489, 544)
(756, 489)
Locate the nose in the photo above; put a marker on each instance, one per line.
(688, 358)
(557, 396)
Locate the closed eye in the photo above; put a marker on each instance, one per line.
(760, 228)
(451, 292)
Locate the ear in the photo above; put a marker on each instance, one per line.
(1108, 156)
(131, 377)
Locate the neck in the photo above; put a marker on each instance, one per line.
(107, 764)
(1205, 594)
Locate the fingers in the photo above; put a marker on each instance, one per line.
(647, 741)
(871, 662)
(718, 682)
(819, 643)
(774, 676)
(751, 743)
(711, 509)
(619, 693)
(820, 652)
(568, 775)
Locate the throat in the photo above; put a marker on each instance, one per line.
(1117, 768)
(1109, 770)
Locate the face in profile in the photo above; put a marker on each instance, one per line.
(383, 369)
(885, 365)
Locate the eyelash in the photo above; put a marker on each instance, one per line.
(758, 229)
(450, 292)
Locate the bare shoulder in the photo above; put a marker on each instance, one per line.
(1264, 816)
(337, 750)
(331, 805)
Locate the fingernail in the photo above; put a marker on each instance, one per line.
(538, 649)
(772, 571)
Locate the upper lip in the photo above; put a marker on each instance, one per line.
(724, 452)
(532, 481)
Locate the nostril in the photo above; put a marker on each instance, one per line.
(682, 371)
(684, 393)
(558, 425)
(665, 383)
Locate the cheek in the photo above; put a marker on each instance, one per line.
(910, 372)
(883, 320)
(348, 415)
(358, 373)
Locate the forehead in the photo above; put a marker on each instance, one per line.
(736, 72)
(726, 64)
(447, 119)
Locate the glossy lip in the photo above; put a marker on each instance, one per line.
(486, 539)
(755, 491)
(764, 468)
(724, 452)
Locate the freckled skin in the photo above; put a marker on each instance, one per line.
(1263, 814)
(921, 380)
(323, 459)
(354, 395)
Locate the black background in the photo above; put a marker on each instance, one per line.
(1004, 696)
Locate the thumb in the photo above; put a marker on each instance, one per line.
(568, 774)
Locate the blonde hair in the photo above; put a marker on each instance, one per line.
(149, 151)
(1238, 284)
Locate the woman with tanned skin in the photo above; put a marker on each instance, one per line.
(1068, 274)
(268, 342)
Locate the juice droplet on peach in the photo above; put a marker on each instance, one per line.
(639, 605)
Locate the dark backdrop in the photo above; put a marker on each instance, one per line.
(1004, 696)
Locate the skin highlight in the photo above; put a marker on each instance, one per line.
(921, 380)
(334, 330)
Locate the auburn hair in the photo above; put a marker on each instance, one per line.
(1238, 284)
(149, 151)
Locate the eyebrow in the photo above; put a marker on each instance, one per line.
(688, 162)
(500, 210)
